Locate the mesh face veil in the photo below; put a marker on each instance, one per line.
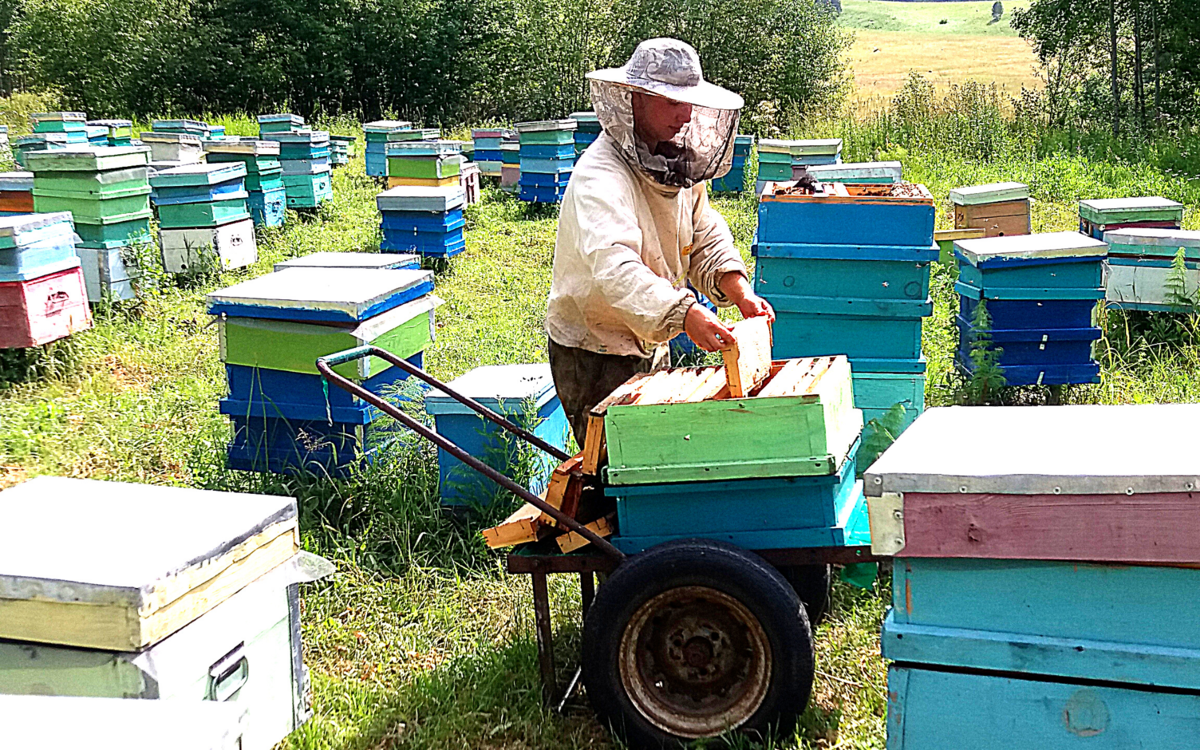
(701, 150)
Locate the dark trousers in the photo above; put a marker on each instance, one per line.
(584, 379)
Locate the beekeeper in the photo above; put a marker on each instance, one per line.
(636, 227)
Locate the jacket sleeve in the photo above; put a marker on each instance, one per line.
(713, 251)
(611, 243)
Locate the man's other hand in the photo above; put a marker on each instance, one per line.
(709, 333)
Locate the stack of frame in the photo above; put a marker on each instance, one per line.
(510, 165)
(848, 272)
(487, 150)
(779, 159)
(341, 149)
(1140, 268)
(283, 122)
(547, 159)
(424, 164)
(587, 130)
(428, 221)
(264, 176)
(107, 191)
(1000, 209)
(1028, 607)
(205, 222)
(1040, 293)
(42, 294)
(376, 136)
(16, 193)
(273, 328)
(735, 180)
(116, 132)
(1099, 216)
(307, 174)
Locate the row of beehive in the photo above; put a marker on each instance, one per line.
(273, 328)
(1040, 593)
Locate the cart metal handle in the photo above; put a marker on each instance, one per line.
(325, 366)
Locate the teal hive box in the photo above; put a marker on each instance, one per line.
(862, 329)
(1027, 264)
(877, 392)
(1099, 216)
(215, 213)
(522, 393)
(831, 271)
(890, 215)
(1139, 268)
(280, 123)
(134, 230)
(193, 127)
(268, 208)
(308, 190)
(58, 122)
(859, 173)
(85, 209)
(35, 245)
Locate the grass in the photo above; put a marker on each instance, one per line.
(893, 38)
(422, 640)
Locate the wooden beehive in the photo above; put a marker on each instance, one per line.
(1000, 209)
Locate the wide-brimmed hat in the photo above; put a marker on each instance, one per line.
(670, 68)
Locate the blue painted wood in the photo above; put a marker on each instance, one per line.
(817, 277)
(1018, 314)
(425, 221)
(376, 163)
(851, 530)
(935, 710)
(262, 393)
(525, 394)
(346, 295)
(539, 180)
(299, 462)
(1028, 293)
(230, 190)
(1033, 654)
(845, 223)
(702, 509)
(1068, 374)
(563, 151)
(34, 248)
(1087, 273)
(546, 166)
(877, 392)
(487, 144)
(1033, 346)
(305, 435)
(395, 241)
(536, 194)
(856, 336)
(44, 264)
(889, 253)
(268, 208)
(311, 165)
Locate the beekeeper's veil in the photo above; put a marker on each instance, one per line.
(703, 148)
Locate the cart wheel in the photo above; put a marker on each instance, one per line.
(694, 638)
(812, 583)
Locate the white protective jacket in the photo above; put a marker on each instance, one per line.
(626, 248)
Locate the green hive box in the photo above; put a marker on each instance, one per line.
(89, 159)
(82, 207)
(263, 182)
(214, 214)
(92, 184)
(308, 191)
(106, 236)
(548, 137)
(424, 167)
(736, 438)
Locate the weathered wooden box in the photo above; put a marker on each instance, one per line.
(33, 245)
(1099, 216)
(268, 208)
(108, 272)
(93, 185)
(524, 394)
(736, 438)
(88, 159)
(1139, 267)
(225, 247)
(184, 148)
(1000, 209)
(321, 295)
(42, 309)
(889, 215)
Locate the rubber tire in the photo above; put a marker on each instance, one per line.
(813, 584)
(730, 570)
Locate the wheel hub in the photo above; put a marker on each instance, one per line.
(695, 662)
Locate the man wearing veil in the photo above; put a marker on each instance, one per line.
(636, 228)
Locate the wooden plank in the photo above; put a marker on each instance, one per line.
(566, 484)
(661, 388)
(748, 360)
(782, 382)
(1119, 528)
(572, 541)
(595, 451)
(685, 386)
(712, 384)
(623, 393)
(522, 526)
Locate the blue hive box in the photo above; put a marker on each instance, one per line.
(423, 221)
(316, 447)
(321, 295)
(873, 272)
(522, 393)
(1032, 266)
(537, 194)
(540, 180)
(900, 215)
(36, 245)
(435, 244)
(877, 335)
(268, 208)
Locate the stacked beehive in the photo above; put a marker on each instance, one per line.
(487, 150)
(1040, 293)
(52, 130)
(273, 329)
(16, 193)
(587, 130)
(307, 174)
(424, 220)
(191, 127)
(1140, 269)
(376, 136)
(97, 135)
(116, 132)
(1099, 216)
(283, 122)
(204, 219)
(1036, 594)
(107, 191)
(169, 150)
(735, 180)
(267, 199)
(341, 149)
(779, 159)
(547, 151)
(216, 132)
(42, 293)
(848, 272)
(423, 163)
(1000, 209)
(171, 596)
(510, 165)
(523, 394)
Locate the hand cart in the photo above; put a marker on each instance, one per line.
(685, 640)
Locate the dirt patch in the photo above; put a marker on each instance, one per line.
(11, 475)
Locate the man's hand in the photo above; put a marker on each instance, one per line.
(737, 288)
(709, 333)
